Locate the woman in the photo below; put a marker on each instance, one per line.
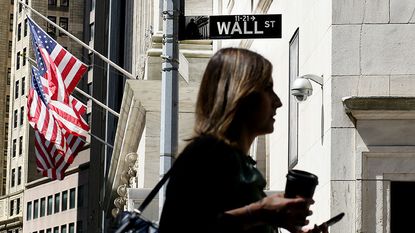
(214, 186)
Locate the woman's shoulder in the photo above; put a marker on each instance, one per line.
(206, 148)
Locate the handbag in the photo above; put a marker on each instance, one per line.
(134, 222)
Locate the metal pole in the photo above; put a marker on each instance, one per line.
(169, 89)
(126, 73)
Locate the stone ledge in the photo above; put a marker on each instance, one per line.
(379, 107)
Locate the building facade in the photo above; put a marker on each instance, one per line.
(355, 132)
(6, 45)
(22, 177)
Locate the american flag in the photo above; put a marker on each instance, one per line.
(56, 116)
(57, 78)
(69, 66)
(53, 153)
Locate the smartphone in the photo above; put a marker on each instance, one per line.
(334, 219)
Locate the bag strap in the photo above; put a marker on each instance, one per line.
(154, 192)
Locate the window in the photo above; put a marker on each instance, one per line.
(18, 61)
(71, 227)
(14, 148)
(23, 86)
(20, 145)
(92, 4)
(19, 30)
(7, 103)
(293, 105)
(63, 229)
(64, 200)
(42, 207)
(21, 117)
(16, 89)
(18, 206)
(72, 198)
(57, 202)
(29, 211)
(50, 204)
(42, 231)
(63, 22)
(52, 2)
(56, 230)
(11, 22)
(15, 119)
(13, 177)
(20, 7)
(10, 49)
(91, 32)
(51, 30)
(19, 176)
(35, 209)
(11, 207)
(65, 3)
(49, 230)
(399, 193)
(80, 196)
(9, 75)
(24, 57)
(25, 28)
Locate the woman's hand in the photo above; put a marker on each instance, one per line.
(323, 228)
(288, 213)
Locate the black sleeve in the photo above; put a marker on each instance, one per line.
(202, 187)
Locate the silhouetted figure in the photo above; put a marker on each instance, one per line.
(192, 30)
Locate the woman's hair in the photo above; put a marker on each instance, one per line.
(232, 75)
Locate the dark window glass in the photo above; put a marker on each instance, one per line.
(23, 85)
(35, 209)
(63, 23)
(72, 198)
(10, 51)
(20, 7)
(21, 121)
(20, 145)
(52, 2)
(65, 3)
(49, 230)
(25, 28)
(11, 207)
(51, 30)
(57, 202)
(17, 205)
(9, 75)
(11, 22)
(24, 57)
(18, 61)
(50, 205)
(16, 89)
(19, 30)
(56, 230)
(14, 147)
(42, 207)
(71, 227)
(19, 176)
(64, 200)
(29, 211)
(400, 193)
(13, 177)
(63, 229)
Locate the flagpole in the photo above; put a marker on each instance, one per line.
(86, 95)
(126, 73)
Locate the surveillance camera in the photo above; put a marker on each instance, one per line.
(301, 89)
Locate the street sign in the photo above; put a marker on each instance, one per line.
(230, 27)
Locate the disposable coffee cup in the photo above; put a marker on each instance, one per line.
(300, 183)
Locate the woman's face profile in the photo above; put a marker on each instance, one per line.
(263, 110)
